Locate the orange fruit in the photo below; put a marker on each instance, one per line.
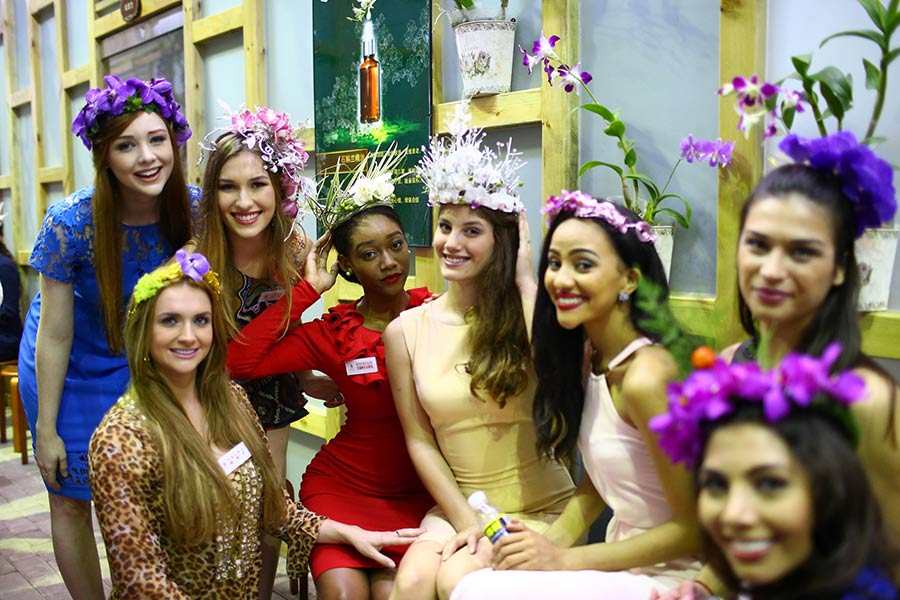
(703, 357)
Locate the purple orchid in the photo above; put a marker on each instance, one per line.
(119, 97)
(709, 394)
(543, 47)
(571, 76)
(529, 60)
(194, 265)
(866, 180)
(717, 154)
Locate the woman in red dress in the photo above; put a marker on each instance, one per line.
(364, 475)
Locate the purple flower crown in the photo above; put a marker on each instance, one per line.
(866, 180)
(585, 206)
(280, 146)
(132, 95)
(708, 394)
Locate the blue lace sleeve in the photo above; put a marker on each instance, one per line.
(64, 240)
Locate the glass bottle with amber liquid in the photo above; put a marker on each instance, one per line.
(369, 78)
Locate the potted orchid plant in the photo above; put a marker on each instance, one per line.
(828, 96)
(640, 192)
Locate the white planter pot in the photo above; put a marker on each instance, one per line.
(875, 253)
(665, 242)
(485, 50)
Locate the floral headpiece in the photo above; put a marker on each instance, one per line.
(866, 180)
(195, 266)
(461, 171)
(586, 207)
(132, 95)
(282, 149)
(709, 393)
(340, 196)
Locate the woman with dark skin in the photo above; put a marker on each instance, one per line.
(363, 476)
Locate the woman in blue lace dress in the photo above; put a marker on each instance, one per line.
(90, 251)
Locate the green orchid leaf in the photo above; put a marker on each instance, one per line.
(630, 158)
(591, 164)
(836, 105)
(837, 89)
(687, 206)
(873, 75)
(648, 183)
(600, 110)
(676, 216)
(876, 12)
(802, 63)
(787, 116)
(615, 129)
(891, 56)
(464, 3)
(866, 34)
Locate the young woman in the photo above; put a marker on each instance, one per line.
(250, 188)
(364, 475)
(184, 481)
(463, 384)
(785, 504)
(799, 280)
(602, 278)
(90, 252)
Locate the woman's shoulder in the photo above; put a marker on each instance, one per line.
(123, 427)
(75, 209)
(652, 367)
(882, 393)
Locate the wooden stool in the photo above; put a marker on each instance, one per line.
(3, 391)
(20, 427)
(299, 586)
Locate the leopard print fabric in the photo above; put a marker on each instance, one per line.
(126, 477)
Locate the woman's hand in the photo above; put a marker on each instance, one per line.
(368, 543)
(317, 273)
(469, 537)
(50, 454)
(526, 549)
(321, 387)
(688, 590)
(525, 279)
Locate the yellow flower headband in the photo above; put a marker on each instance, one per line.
(194, 266)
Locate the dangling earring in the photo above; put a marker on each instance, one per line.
(624, 296)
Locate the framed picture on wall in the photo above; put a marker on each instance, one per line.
(372, 81)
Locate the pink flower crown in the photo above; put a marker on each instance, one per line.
(279, 144)
(585, 206)
(118, 97)
(709, 394)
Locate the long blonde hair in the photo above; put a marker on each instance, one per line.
(214, 240)
(196, 491)
(174, 221)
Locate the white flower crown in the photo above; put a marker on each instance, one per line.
(463, 171)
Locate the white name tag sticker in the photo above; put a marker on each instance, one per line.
(361, 366)
(234, 458)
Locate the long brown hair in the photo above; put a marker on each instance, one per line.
(196, 490)
(500, 358)
(174, 221)
(214, 240)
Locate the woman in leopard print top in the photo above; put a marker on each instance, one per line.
(184, 482)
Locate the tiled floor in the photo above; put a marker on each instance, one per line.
(27, 568)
